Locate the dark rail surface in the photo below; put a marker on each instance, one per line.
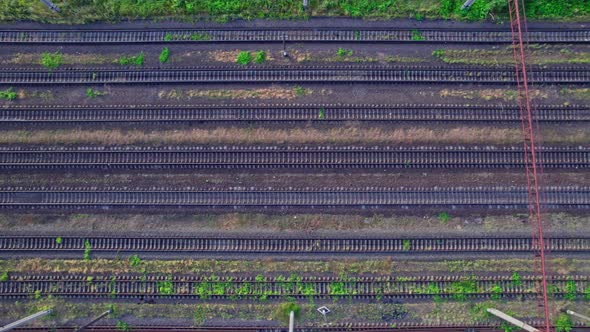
(111, 198)
(194, 244)
(318, 74)
(309, 112)
(245, 157)
(245, 35)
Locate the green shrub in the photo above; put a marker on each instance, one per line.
(8, 94)
(439, 53)
(444, 217)
(200, 36)
(496, 292)
(284, 310)
(299, 91)
(417, 35)
(571, 290)
(132, 60)
(52, 60)
(407, 245)
(260, 57)
(244, 58)
(135, 260)
(87, 250)
(446, 8)
(342, 52)
(564, 323)
(123, 326)
(166, 287)
(516, 279)
(165, 55)
(91, 93)
(200, 316)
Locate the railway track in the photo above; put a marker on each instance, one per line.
(240, 157)
(334, 327)
(48, 244)
(312, 74)
(215, 287)
(146, 198)
(244, 35)
(316, 112)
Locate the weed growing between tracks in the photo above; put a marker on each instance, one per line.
(8, 94)
(93, 93)
(341, 135)
(132, 60)
(165, 55)
(52, 60)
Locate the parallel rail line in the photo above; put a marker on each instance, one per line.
(316, 112)
(319, 74)
(244, 35)
(196, 287)
(340, 327)
(244, 157)
(400, 326)
(110, 198)
(9, 244)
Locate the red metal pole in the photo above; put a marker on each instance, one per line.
(530, 158)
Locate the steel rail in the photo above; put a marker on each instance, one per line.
(198, 287)
(276, 35)
(147, 198)
(401, 326)
(242, 245)
(248, 157)
(317, 74)
(304, 112)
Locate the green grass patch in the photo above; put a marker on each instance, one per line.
(260, 57)
(284, 311)
(8, 94)
(165, 55)
(132, 60)
(52, 60)
(342, 52)
(564, 323)
(244, 58)
(87, 250)
(92, 93)
(85, 11)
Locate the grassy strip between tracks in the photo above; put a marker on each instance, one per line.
(170, 224)
(458, 313)
(84, 11)
(285, 268)
(540, 56)
(350, 134)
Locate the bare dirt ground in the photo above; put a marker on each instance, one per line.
(265, 179)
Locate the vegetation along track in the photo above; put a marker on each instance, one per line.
(290, 35)
(287, 157)
(260, 287)
(282, 74)
(304, 112)
(93, 198)
(48, 244)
